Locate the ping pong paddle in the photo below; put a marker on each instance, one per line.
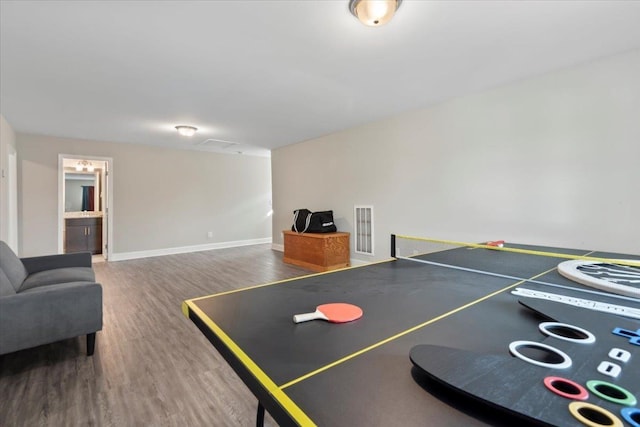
(496, 243)
(337, 312)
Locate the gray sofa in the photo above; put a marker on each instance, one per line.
(47, 299)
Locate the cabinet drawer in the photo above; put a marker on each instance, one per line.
(83, 221)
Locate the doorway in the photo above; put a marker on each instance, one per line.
(9, 230)
(85, 205)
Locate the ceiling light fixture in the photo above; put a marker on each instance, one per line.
(374, 12)
(83, 164)
(186, 130)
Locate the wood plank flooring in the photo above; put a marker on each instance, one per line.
(151, 367)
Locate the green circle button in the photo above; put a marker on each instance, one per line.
(611, 392)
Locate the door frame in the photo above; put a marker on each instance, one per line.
(107, 238)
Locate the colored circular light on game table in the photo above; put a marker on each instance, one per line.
(631, 415)
(551, 356)
(593, 416)
(612, 392)
(566, 332)
(566, 388)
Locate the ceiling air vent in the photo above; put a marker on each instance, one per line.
(217, 143)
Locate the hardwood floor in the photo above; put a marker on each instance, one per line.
(151, 367)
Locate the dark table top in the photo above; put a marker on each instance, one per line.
(359, 373)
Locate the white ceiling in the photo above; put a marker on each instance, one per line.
(265, 74)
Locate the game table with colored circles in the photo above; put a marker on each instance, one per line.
(360, 373)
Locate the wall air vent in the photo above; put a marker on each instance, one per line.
(363, 225)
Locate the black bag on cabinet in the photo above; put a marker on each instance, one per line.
(305, 221)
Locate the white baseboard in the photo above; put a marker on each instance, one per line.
(277, 247)
(122, 256)
(358, 262)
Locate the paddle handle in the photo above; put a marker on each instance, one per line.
(305, 317)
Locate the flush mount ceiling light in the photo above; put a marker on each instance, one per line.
(186, 130)
(374, 12)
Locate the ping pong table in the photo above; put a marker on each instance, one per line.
(360, 373)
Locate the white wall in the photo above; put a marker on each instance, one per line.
(553, 160)
(163, 199)
(8, 186)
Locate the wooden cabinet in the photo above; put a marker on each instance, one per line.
(317, 251)
(83, 234)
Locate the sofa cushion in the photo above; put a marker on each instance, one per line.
(58, 275)
(6, 288)
(12, 266)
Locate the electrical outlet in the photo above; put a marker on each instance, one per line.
(210, 235)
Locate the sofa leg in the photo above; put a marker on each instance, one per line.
(91, 343)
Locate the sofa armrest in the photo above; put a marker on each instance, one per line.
(50, 262)
(49, 314)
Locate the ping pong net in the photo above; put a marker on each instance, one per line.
(612, 277)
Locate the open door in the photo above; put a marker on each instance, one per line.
(104, 197)
(84, 203)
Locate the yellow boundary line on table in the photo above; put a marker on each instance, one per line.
(405, 332)
(281, 397)
(287, 280)
(298, 414)
(631, 263)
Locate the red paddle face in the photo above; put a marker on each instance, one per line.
(340, 312)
